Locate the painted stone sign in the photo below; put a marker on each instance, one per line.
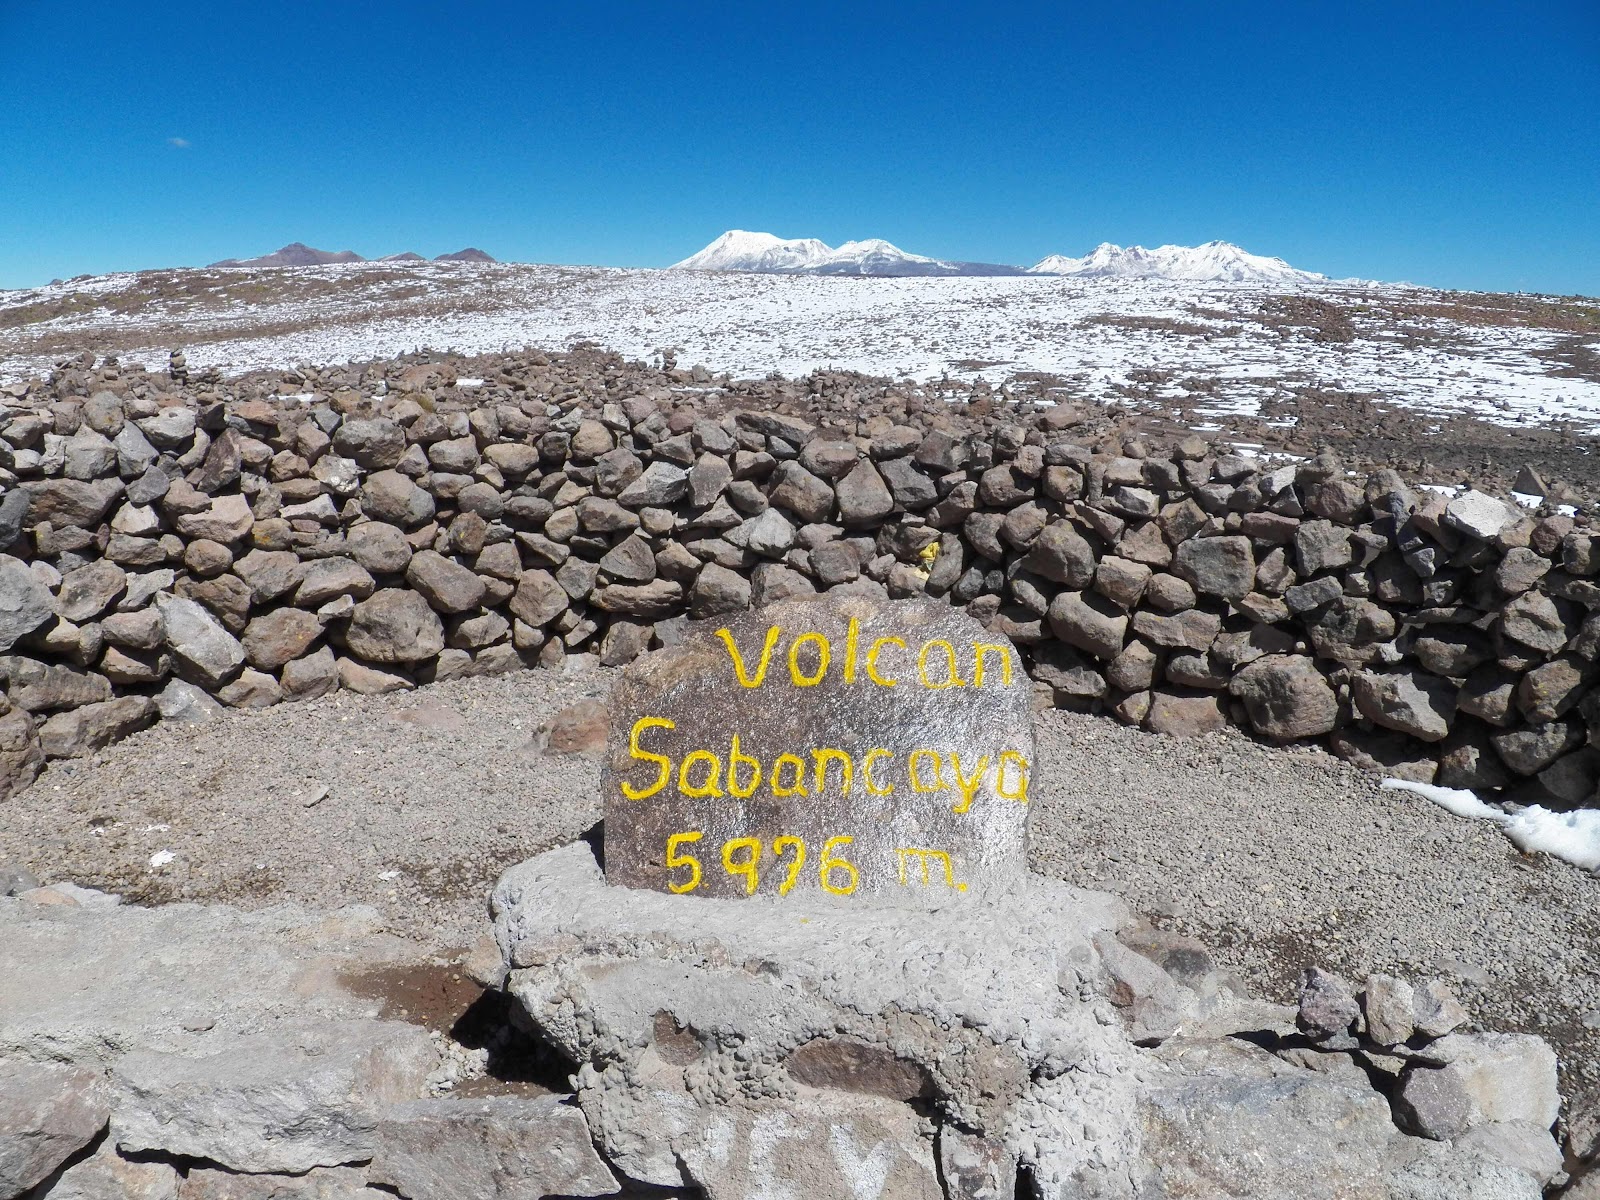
(842, 745)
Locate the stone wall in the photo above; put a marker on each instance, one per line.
(170, 544)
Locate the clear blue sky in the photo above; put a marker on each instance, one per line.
(1450, 142)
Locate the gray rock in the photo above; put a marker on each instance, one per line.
(225, 520)
(285, 1101)
(95, 726)
(375, 443)
(379, 547)
(326, 579)
(1286, 698)
(797, 490)
(1533, 620)
(107, 1175)
(1520, 1145)
(1463, 1080)
(89, 590)
(307, 678)
(1217, 566)
(1089, 622)
(539, 598)
(1061, 554)
(1328, 1006)
(630, 561)
(662, 484)
(911, 489)
(279, 636)
(25, 603)
(21, 757)
(768, 534)
(393, 498)
(170, 429)
(395, 626)
(1390, 1008)
(447, 585)
(89, 455)
(718, 591)
(13, 516)
(206, 653)
(186, 704)
(47, 1114)
(659, 598)
(1480, 515)
(508, 1146)
(320, 1183)
(1435, 1009)
(41, 687)
(863, 496)
(1408, 701)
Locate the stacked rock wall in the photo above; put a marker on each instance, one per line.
(171, 544)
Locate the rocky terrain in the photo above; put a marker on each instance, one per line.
(209, 581)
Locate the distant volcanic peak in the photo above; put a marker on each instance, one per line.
(743, 250)
(1213, 262)
(295, 254)
(298, 254)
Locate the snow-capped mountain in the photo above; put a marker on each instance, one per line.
(741, 250)
(1214, 262)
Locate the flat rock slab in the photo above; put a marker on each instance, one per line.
(866, 748)
(507, 1147)
(164, 978)
(288, 1101)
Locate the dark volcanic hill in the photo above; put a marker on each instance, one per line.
(470, 254)
(295, 254)
(406, 256)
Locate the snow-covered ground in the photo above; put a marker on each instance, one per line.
(1221, 348)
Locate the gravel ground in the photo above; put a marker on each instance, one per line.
(1275, 858)
(1279, 858)
(429, 796)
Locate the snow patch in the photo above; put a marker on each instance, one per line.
(1573, 837)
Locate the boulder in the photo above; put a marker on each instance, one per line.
(89, 590)
(21, 757)
(275, 638)
(863, 497)
(448, 586)
(1217, 566)
(25, 603)
(96, 726)
(1061, 554)
(71, 502)
(1286, 697)
(395, 626)
(1408, 701)
(108, 1175)
(1468, 1079)
(225, 520)
(205, 652)
(1480, 515)
(1089, 622)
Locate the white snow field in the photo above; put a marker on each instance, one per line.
(1220, 348)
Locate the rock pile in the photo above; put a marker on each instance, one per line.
(174, 542)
